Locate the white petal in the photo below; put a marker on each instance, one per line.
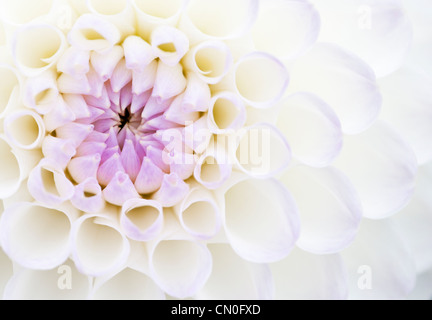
(286, 29)
(233, 278)
(59, 116)
(74, 61)
(169, 45)
(25, 129)
(60, 283)
(210, 60)
(197, 95)
(199, 214)
(15, 168)
(211, 19)
(305, 276)
(10, 89)
(75, 132)
(105, 63)
(259, 78)
(260, 219)
(343, 81)
(379, 264)
(118, 12)
(37, 47)
(13, 13)
(59, 150)
(77, 105)
(91, 32)
(153, 13)
(98, 245)
(78, 84)
(330, 209)
(312, 129)
(169, 82)
(142, 219)
(178, 265)
(127, 285)
(121, 76)
(260, 151)
(197, 135)
(138, 53)
(227, 112)
(143, 81)
(382, 168)
(7, 270)
(379, 32)
(48, 184)
(35, 236)
(414, 222)
(83, 167)
(41, 93)
(407, 101)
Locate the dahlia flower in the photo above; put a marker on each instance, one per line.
(230, 149)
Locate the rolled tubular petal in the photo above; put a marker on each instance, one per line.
(199, 214)
(49, 185)
(13, 13)
(138, 53)
(59, 150)
(260, 219)
(261, 151)
(25, 129)
(331, 221)
(227, 112)
(142, 219)
(10, 89)
(36, 236)
(91, 32)
(233, 278)
(63, 282)
(209, 19)
(178, 265)
(259, 78)
(305, 276)
(153, 13)
(37, 47)
(172, 190)
(128, 284)
(105, 63)
(118, 12)
(286, 29)
(210, 60)
(98, 245)
(169, 45)
(382, 168)
(16, 167)
(41, 93)
(74, 61)
(343, 81)
(312, 129)
(88, 196)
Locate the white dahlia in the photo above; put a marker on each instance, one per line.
(230, 149)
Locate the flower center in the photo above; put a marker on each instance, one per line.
(125, 118)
